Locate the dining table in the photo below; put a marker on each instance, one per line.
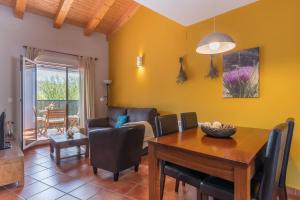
(232, 158)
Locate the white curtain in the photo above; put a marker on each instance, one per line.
(31, 52)
(87, 90)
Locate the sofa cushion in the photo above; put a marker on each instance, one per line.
(113, 113)
(142, 114)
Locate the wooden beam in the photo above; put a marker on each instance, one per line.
(62, 12)
(20, 8)
(123, 19)
(101, 10)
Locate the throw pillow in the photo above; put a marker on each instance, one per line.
(122, 119)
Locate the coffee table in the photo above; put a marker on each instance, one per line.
(59, 142)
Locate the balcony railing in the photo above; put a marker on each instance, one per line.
(44, 105)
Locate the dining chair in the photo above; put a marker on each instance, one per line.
(168, 124)
(282, 180)
(188, 120)
(165, 125)
(263, 186)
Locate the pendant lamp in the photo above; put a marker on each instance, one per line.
(215, 43)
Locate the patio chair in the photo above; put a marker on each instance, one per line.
(73, 120)
(56, 118)
(40, 122)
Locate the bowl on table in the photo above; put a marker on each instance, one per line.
(218, 129)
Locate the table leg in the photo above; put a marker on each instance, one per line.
(87, 150)
(153, 173)
(78, 151)
(51, 150)
(242, 183)
(57, 150)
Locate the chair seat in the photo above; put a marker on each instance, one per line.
(41, 119)
(184, 174)
(56, 120)
(172, 169)
(191, 177)
(224, 190)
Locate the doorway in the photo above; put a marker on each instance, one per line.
(50, 100)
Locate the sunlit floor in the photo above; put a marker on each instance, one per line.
(33, 135)
(74, 179)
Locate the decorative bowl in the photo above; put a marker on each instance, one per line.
(218, 130)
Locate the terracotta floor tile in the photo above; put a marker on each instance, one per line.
(56, 179)
(33, 156)
(107, 195)
(134, 177)
(139, 192)
(43, 174)
(127, 198)
(67, 197)
(49, 194)
(70, 185)
(74, 179)
(106, 181)
(29, 180)
(43, 151)
(86, 191)
(42, 160)
(31, 190)
(28, 163)
(33, 169)
(49, 164)
(7, 195)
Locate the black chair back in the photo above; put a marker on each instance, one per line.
(167, 124)
(287, 149)
(188, 120)
(272, 166)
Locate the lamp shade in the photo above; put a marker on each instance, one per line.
(215, 43)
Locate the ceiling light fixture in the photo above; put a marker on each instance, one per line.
(215, 43)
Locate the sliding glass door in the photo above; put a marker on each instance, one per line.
(51, 100)
(29, 119)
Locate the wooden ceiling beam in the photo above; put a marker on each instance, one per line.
(101, 10)
(62, 12)
(123, 19)
(20, 8)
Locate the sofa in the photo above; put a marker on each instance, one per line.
(116, 149)
(134, 115)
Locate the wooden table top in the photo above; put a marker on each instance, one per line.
(64, 138)
(242, 147)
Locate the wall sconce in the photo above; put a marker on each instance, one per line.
(139, 61)
(107, 83)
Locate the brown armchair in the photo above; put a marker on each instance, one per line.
(116, 149)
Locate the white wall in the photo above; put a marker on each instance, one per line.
(37, 31)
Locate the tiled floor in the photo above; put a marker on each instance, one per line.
(74, 179)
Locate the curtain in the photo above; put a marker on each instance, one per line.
(87, 90)
(31, 52)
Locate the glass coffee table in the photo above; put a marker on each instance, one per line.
(58, 142)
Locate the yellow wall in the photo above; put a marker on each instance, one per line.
(272, 25)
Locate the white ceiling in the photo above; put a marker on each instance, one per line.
(187, 12)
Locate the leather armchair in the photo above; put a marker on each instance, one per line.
(117, 149)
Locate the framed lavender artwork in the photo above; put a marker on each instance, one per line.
(241, 74)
